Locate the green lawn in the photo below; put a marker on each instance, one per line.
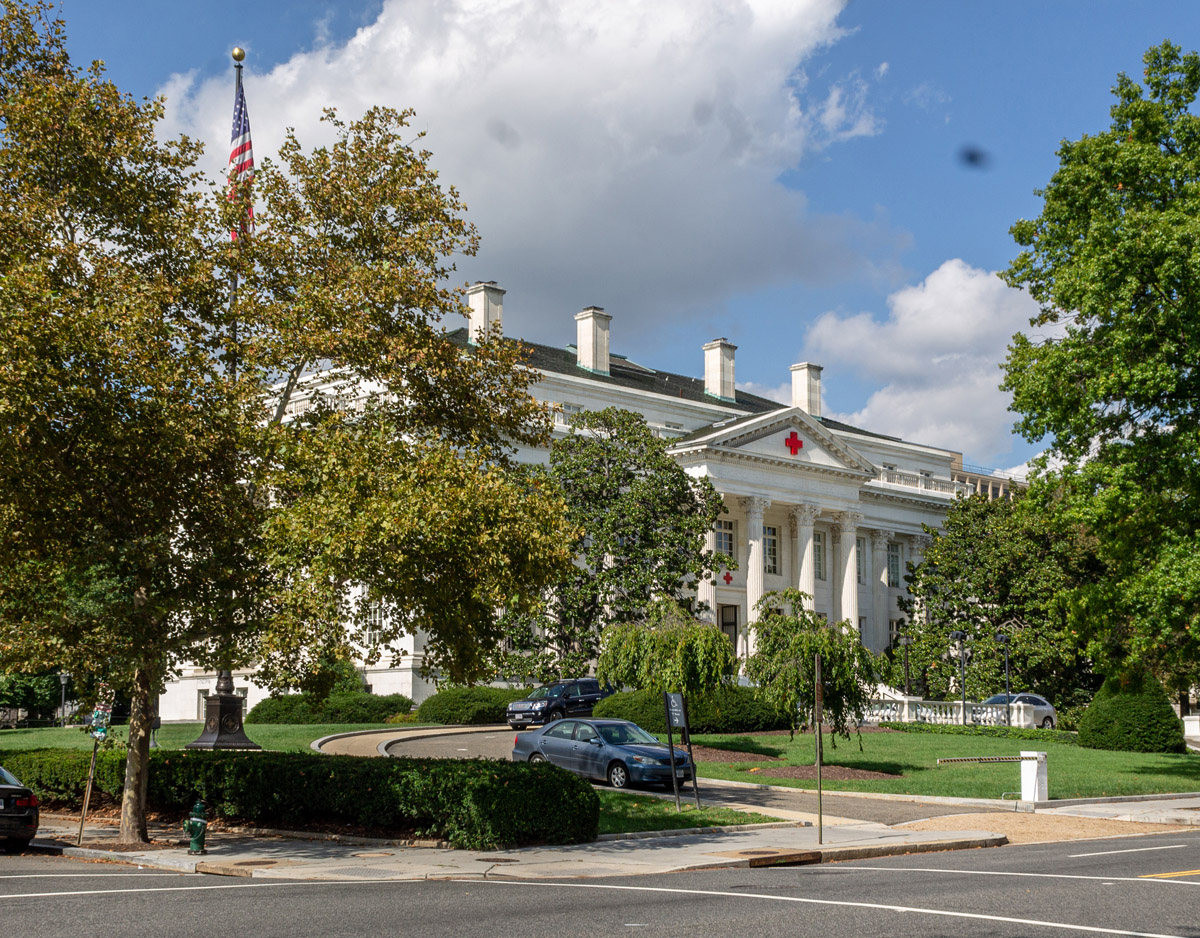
(622, 813)
(286, 737)
(1073, 772)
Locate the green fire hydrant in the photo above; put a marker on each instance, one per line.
(196, 827)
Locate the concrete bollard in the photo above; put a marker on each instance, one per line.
(1034, 781)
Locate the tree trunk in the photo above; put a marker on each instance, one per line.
(137, 763)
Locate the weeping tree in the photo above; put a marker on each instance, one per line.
(787, 638)
(671, 651)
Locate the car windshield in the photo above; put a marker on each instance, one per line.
(622, 734)
(6, 778)
(542, 693)
(997, 699)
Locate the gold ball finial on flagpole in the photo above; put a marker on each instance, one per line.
(238, 53)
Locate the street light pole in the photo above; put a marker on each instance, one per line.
(905, 641)
(959, 637)
(63, 677)
(1002, 638)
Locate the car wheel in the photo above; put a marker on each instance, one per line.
(514, 726)
(554, 715)
(537, 757)
(618, 775)
(1047, 724)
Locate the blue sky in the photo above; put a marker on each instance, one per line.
(785, 174)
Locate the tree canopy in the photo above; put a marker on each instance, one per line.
(1000, 566)
(1108, 371)
(186, 478)
(641, 523)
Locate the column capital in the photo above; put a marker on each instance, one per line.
(920, 542)
(879, 539)
(754, 505)
(847, 522)
(805, 513)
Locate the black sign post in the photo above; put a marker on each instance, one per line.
(673, 704)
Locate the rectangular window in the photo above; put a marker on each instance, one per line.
(862, 626)
(770, 549)
(819, 555)
(860, 552)
(568, 412)
(893, 560)
(725, 539)
(374, 622)
(894, 627)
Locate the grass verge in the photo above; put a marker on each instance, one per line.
(282, 737)
(912, 758)
(622, 813)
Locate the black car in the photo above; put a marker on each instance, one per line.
(18, 812)
(573, 697)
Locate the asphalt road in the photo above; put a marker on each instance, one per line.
(498, 745)
(1138, 886)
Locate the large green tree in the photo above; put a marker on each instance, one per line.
(1107, 373)
(1001, 566)
(183, 478)
(640, 525)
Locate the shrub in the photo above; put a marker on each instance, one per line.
(731, 709)
(1131, 714)
(472, 803)
(1004, 732)
(468, 705)
(346, 707)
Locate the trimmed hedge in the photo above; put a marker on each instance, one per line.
(469, 705)
(354, 707)
(1135, 718)
(1004, 732)
(731, 709)
(472, 803)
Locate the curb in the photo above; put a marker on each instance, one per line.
(840, 854)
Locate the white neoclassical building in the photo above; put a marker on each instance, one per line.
(812, 503)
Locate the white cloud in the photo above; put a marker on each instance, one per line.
(617, 152)
(934, 360)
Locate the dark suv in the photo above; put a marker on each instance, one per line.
(573, 697)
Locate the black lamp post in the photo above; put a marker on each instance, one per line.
(959, 639)
(63, 677)
(904, 640)
(1002, 638)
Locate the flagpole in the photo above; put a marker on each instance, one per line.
(223, 710)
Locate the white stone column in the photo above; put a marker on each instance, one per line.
(753, 506)
(847, 527)
(706, 589)
(917, 545)
(803, 517)
(880, 610)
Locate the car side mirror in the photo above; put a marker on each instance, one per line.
(596, 741)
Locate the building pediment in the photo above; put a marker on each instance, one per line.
(783, 437)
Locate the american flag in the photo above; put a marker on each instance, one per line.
(241, 150)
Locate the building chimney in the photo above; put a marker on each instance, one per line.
(487, 311)
(591, 343)
(806, 388)
(718, 369)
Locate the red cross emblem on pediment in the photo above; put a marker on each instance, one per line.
(794, 443)
(728, 578)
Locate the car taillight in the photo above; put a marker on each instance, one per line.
(514, 740)
(26, 801)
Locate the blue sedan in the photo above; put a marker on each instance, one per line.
(617, 750)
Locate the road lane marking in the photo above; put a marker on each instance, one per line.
(803, 900)
(933, 869)
(1169, 875)
(1105, 853)
(267, 885)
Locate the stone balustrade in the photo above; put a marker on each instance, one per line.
(949, 712)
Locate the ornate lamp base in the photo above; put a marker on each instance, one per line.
(223, 723)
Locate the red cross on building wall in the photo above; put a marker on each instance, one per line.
(794, 443)
(728, 578)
